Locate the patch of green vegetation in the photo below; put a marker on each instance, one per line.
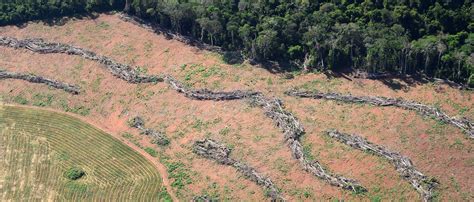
(455, 184)
(321, 85)
(457, 144)
(376, 198)
(257, 138)
(103, 25)
(269, 81)
(74, 173)
(123, 49)
(305, 193)
(81, 110)
(20, 100)
(200, 72)
(151, 151)
(132, 139)
(148, 48)
(164, 196)
(142, 69)
(42, 100)
(224, 131)
(307, 151)
(127, 135)
(281, 165)
(177, 172)
(143, 95)
(95, 85)
(201, 125)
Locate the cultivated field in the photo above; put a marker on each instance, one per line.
(38, 146)
(437, 149)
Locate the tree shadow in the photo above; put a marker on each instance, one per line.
(61, 21)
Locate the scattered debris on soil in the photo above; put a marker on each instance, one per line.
(424, 185)
(211, 149)
(273, 107)
(157, 137)
(39, 79)
(122, 71)
(204, 198)
(425, 110)
(293, 130)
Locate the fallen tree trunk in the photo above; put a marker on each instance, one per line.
(204, 94)
(119, 70)
(293, 130)
(425, 110)
(39, 79)
(424, 185)
(213, 150)
(157, 137)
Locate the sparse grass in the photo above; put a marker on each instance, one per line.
(52, 143)
(151, 151)
(81, 110)
(132, 139)
(42, 100)
(20, 100)
(224, 131)
(95, 85)
(177, 172)
(281, 165)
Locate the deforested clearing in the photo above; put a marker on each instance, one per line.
(438, 150)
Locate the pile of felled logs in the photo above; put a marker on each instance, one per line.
(39, 79)
(425, 110)
(213, 150)
(157, 137)
(403, 164)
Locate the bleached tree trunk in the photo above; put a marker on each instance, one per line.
(127, 6)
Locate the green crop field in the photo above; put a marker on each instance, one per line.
(37, 147)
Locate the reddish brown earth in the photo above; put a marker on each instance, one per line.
(438, 150)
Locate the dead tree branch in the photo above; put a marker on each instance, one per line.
(157, 137)
(425, 110)
(39, 79)
(213, 150)
(424, 185)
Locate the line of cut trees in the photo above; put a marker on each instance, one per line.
(430, 37)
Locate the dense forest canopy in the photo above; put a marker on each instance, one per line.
(431, 37)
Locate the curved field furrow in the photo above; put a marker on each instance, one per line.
(41, 145)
